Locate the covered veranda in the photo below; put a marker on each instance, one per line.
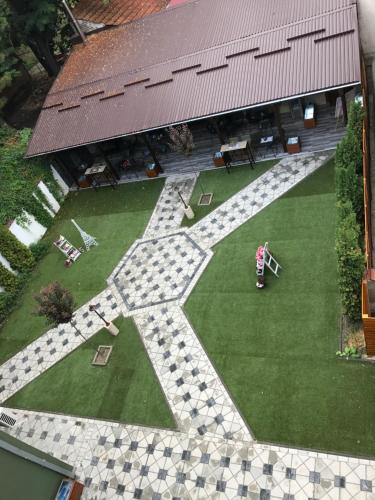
(128, 158)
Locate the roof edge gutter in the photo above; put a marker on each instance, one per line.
(203, 117)
(59, 469)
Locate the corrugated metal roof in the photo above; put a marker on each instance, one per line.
(116, 12)
(175, 67)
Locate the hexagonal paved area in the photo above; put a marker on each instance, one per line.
(159, 270)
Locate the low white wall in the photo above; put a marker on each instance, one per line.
(28, 233)
(55, 205)
(6, 264)
(60, 181)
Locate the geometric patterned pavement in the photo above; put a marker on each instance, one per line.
(159, 271)
(212, 455)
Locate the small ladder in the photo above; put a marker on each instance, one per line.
(270, 261)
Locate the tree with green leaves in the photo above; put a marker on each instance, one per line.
(55, 303)
(35, 23)
(8, 57)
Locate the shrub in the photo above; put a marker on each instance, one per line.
(18, 255)
(19, 178)
(348, 164)
(36, 209)
(39, 249)
(355, 120)
(350, 261)
(350, 151)
(349, 187)
(8, 280)
(6, 305)
(56, 303)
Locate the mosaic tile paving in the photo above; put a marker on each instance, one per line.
(213, 454)
(254, 198)
(169, 210)
(57, 343)
(195, 393)
(121, 461)
(159, 271)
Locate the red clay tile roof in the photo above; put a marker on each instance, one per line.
(116, 12)
(202, 58)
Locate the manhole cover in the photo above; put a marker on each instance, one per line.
(205, 199)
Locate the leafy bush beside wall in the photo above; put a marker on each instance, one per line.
(19, 178)
(18, 255)
(350, 261)
(348, 164)
(349, 195)
(8, 280)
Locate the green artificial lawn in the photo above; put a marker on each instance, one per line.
(126, 389)
(275, 348)
(116, 218)
(223, 186)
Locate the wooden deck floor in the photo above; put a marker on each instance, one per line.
(324, 136)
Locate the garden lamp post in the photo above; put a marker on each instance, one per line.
(113, 330)
(92, 308)
(187, 208)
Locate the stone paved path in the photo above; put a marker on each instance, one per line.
(254, 198)
(212, 455)
(169, 211)
(124, 461)
(54, 345)
(195, 393)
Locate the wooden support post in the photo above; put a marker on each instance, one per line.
(72, 173)
(146, 140)
(108, 163)
(344, 107)
(276, 109)
(218, 131)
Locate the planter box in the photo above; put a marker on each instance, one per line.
(102, 355)
(293, 145)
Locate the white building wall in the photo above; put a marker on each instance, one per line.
(55, 205)
(366, 9)
(6, 264)
(60, 181)
(28, 233)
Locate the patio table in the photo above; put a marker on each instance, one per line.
(100, 173)
(238, 151)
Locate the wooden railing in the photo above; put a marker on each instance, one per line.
(366, 172)
(368, 320)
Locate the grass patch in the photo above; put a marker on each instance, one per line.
(116, 218)
(126, 389)
(275, 348)
(223, 186)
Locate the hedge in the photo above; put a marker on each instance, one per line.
(349, 186)
(18, 255)
(8, 280)
(350, 261)
(19, 178)
(349, 195)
